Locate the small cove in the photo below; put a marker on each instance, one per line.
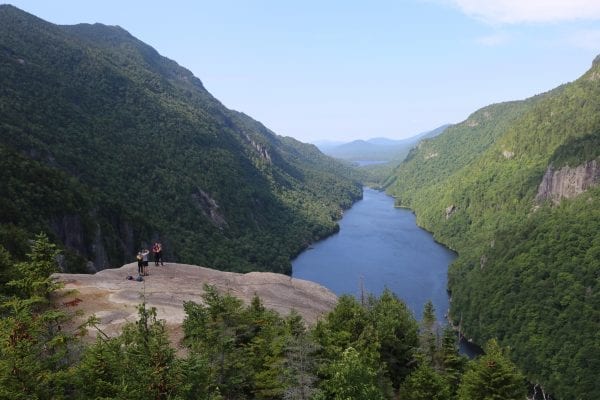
(380, 246)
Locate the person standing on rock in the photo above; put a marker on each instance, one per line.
(157, 250)
(140, 260)
(145, 253)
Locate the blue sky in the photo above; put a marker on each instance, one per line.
(344, 70)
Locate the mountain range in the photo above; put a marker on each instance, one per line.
(376, 149)
(107, 146)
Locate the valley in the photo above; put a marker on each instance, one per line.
(107, 146)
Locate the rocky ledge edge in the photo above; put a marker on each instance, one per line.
(114, 299)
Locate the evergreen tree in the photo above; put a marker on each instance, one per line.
(300, 367)
(428, 335)
(33, 277)
(138, 364)
(244, 347)
(340, 328)
(35, 350)
(492, 377)
(425, 383)
(264, 354)
(213, 330)
(383, 328)
(453, 364)
(396, 330)
(355, 377)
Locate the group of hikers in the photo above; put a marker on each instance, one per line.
(142, 258)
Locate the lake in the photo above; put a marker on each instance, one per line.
(380, 246)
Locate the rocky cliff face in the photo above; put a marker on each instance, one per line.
(568, 182)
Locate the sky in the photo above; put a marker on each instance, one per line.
(347, 70)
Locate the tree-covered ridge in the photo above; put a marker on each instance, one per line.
(154, 155)
(230, 350)
(527, 272)
(458, 146)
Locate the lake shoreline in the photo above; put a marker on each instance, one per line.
(381, 246)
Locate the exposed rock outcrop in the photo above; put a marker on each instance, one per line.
(262, 150)
(568, 182)
(508, 154)
(114, 299)
(451, 209)
(209, 208)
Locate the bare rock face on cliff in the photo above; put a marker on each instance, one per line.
(114, 299)
(568, 182)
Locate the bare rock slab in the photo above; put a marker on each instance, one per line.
(114, 299)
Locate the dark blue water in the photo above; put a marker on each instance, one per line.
(383, 247)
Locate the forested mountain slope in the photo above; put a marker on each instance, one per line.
(514, 189)
(107, 146)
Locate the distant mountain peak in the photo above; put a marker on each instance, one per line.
(379, 148)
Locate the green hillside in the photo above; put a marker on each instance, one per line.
(528, 269)
(111, 146)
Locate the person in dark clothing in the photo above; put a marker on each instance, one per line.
(157, 250)
(140, 260)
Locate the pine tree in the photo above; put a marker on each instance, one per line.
(428, 336)
(425, 383)
(264, 354)
(492, 377)
(138, 364)
(453, 364)
(300, 366)
(214, 330)
(396, 330)
(35, 350)
(34, 279)
(244, 347)
(354, 377)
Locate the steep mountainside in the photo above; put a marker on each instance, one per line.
(515, 190)
(108, 146)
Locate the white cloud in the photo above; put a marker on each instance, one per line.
(494, 40)
(519, 11)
